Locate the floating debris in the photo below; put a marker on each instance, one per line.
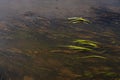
(87, 42)
(75, 20)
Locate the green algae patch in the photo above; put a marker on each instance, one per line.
(94, 56)
(78, 48)
(75, 20)
(87, 42)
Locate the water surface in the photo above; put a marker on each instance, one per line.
(37, 41)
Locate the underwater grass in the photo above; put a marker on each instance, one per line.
(87, 42)
(78, 48)
(94, 56)
(78, 20)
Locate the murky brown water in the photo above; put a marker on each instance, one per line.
(40, 44)
(55, 8)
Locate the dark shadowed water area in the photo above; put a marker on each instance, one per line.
(59, 40)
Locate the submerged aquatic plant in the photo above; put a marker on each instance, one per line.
(79, 48)
(94, 56)
(85, 45)
(87, 42)
(78, 20)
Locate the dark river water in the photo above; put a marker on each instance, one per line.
(60, 40)
(55, 8)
